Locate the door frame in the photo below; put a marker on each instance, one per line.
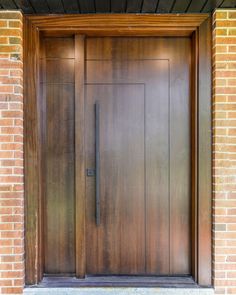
(196, 26)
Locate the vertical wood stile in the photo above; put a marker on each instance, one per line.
(79, 155)
(32, 157)
(194, 149)
(204, 156)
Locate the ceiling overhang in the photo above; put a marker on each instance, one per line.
(115, 6)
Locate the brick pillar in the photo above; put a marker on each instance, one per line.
(11, 154)
(224, 128)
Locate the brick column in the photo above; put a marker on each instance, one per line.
(224, 128)
(11, 154)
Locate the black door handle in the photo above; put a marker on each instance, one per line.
(97, 160)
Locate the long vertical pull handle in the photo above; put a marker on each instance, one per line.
(97, 160)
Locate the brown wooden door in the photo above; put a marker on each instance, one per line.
(142, 86)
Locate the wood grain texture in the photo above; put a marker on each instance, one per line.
(118, 20)
(32, 158)
(194, 154)
(167, 201)
(138, 32)
(205, 156)
(59, 48)
(57, 82)
(119, 24)
(117, 245)
(59, 195)
(180, 158)
(35, 25)
(80, 155)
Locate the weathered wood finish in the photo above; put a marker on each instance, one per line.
(134, 25)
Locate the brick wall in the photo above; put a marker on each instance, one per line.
(11, 154)
(224, 124)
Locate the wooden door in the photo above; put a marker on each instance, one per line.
(142, 86)
(146, 161)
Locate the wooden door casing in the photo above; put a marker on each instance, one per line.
(135, 26)
(153, 74)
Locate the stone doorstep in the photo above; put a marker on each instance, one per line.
(118, 291)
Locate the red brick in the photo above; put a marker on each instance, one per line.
(219, 14)
(15, 24)
(11, 114)
(16, 73)
(6, 88)
(227, 24)
(12, 130)
(10, 48)
(232, 14)
(12, 290)
(16, 106)
(11, 146)
(9, 32)
(11, 235)
(5, 283)
(4, 40)
(6, 122)
(11, 203)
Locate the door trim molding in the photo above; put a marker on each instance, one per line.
(198, 26)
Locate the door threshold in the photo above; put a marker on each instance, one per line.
(116, 281)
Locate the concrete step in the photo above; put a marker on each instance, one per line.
(118, 291)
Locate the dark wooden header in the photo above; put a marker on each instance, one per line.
(116, 6)
(117, 24)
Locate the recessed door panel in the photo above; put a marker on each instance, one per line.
(160, 200)
(58, 155)
(117, 245)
